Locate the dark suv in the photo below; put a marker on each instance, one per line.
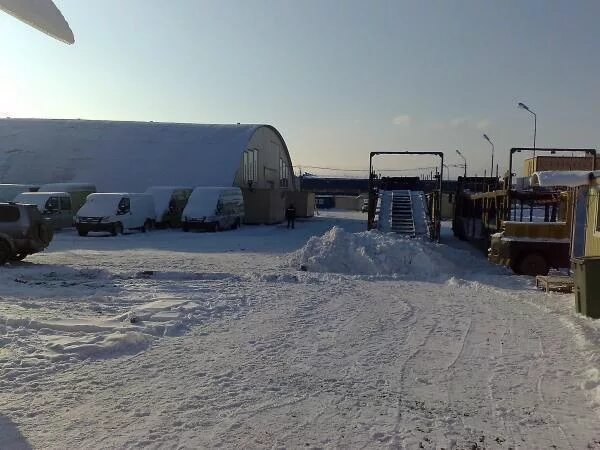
(23, 232)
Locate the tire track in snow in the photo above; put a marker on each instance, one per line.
(401, 430)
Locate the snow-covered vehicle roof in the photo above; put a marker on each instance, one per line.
(570, 178)
(67, 187)
(38, 199)
(122, 156)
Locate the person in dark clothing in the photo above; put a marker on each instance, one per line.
(290, 215)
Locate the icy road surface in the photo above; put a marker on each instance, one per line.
(176, 340)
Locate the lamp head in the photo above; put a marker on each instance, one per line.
(523, 106)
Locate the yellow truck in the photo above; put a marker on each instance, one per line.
(533, 248)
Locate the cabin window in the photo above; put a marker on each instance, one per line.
(284, 173)
(250, 166)
(52, 204)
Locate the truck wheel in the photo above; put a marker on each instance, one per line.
(81, 232)
(185, 227)
(533, 264)
(147, 226)
(117, 229)
(4, 252)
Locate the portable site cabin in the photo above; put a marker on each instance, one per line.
(585, 230)
(131, 156)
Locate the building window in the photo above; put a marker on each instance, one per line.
(284, 174)
(250, 166)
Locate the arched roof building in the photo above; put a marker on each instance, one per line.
(131, 156)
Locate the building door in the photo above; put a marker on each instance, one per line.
(580, 221)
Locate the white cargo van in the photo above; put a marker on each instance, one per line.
(116, 213)
(214, 208)
(8, 192)
(78, 191)
(169, 202)
(56, 207)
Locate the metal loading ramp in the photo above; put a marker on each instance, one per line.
(403, 212)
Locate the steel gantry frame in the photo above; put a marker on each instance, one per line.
(436, 213)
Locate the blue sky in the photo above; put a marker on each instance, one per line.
(337, 78)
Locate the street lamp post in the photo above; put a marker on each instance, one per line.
(464, 159)
(526, 108)
(447, 172)
(487, 138)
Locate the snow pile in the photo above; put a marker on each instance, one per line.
(374, 253)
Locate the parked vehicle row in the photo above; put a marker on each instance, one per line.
(29, 218)
(64, 205)
(27, 225)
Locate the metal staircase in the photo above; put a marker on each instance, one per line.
(402, 213)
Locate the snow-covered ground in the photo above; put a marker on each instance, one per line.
(200, 340)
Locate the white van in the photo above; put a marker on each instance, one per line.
(116, 213)
(214, 208)
(8, 192)
(55, 207)
(169, 202)
(78, 191)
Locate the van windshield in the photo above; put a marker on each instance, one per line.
(99, 206)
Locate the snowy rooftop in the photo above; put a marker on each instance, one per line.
(120, 156)
(571, 178)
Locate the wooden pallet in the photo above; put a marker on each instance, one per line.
(555, 283)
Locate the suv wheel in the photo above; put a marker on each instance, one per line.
(4, 252)
(82, 232)
(117, 229)
(46, 234)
